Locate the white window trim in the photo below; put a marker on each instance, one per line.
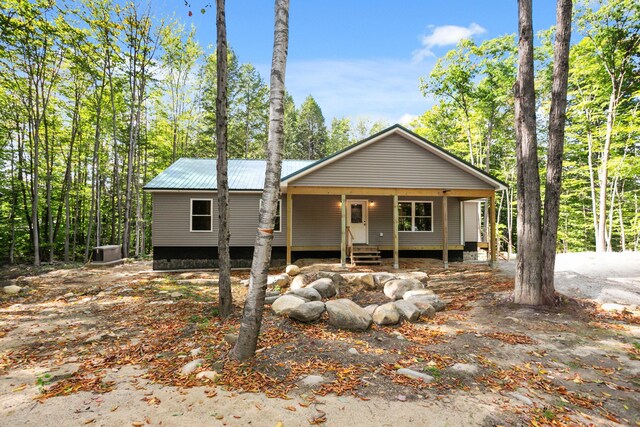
(413, 216)
(191, 216)
(278, 209)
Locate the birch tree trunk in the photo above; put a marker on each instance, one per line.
(557, 119)
(528, 285)
(254, 306)
(224, 259)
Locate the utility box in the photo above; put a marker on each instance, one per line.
(107, 254)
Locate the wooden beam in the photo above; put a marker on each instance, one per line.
(289, 226)
(343, 230)
(492, 225)
(445, 232)
(335, 248)
(396, 262)
(380, 191)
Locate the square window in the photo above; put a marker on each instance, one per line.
(201, 215)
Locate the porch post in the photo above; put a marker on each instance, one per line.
(396, 264)
(289, 226)
(445, 232)
(492, 224)
(343, 231)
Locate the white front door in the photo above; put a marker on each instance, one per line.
(357, 219)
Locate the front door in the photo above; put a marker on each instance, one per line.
(357, 218)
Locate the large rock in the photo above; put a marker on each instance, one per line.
(292, 270)
(407, 310)
(365, 280)
(191, 366)
(308, 312)
(271, 299)
(420, 276)
(426, 310)
(324, 286)
(286, 303)
(417, 293)
(386, 314)
(346, 314)
(301, 281)
(395, 289)
(371, 308)
(382, 278)
(434, 300)
(12, 289)
(279, 281)
(337, 278)
(465, 368)
(310, 294)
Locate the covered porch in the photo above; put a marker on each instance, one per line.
(390, 219)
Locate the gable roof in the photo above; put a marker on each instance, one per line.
(200, 174)
(407, 134)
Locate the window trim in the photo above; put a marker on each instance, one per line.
(278, 209)
(191, 215)
(413, 216)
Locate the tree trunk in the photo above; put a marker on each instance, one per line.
(224, 259)
(557, 119)
(601, 237)
(254, 306)
(529, 262)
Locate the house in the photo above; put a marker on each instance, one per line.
(393, 194)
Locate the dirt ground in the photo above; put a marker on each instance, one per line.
(106, 346)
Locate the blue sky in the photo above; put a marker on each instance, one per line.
(358, 58)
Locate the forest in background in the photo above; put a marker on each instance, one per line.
(99, 98)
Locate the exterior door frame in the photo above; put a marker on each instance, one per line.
(365, 217)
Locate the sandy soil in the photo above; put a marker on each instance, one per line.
(105, 347)
(603, 277)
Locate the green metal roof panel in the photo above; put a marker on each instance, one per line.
(200, 174)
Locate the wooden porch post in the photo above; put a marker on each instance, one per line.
(492, 225)
(343, 231)
(445, 232)
(396, 263)
(289, 226)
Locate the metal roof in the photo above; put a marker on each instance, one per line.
(200, 174)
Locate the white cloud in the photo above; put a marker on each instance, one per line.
(445, 35)
(407, 118)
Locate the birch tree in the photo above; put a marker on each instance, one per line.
(254, 305)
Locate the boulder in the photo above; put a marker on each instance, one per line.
(278, 281)
(434, 300)
(382, 278)
(311, 380)
(371, 308)
(417, 293)
(210, 375)
(324, 286)
(407, 310)
(308, 312)
(337, 278)
(286, 303)
(365, 280)
(420, 276)
(301, 281)
(346, 314)
(310, 294)
(292, 270)
(415, 375)
(12, 289)
(426, 310)
(386, 314)
(271, 299)
(395, 289)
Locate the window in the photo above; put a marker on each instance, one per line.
(415, 216)
(201, 215)
(276, 227)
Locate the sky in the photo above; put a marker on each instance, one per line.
(359, 59)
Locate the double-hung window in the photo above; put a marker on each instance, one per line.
(276, 227)
(415, 216)
(201, 215)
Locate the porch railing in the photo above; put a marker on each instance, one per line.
(349, 244)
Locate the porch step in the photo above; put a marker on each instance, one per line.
(363, 254)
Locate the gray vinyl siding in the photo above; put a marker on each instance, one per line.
(392, 162)
(171, 220)
(317, 221)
